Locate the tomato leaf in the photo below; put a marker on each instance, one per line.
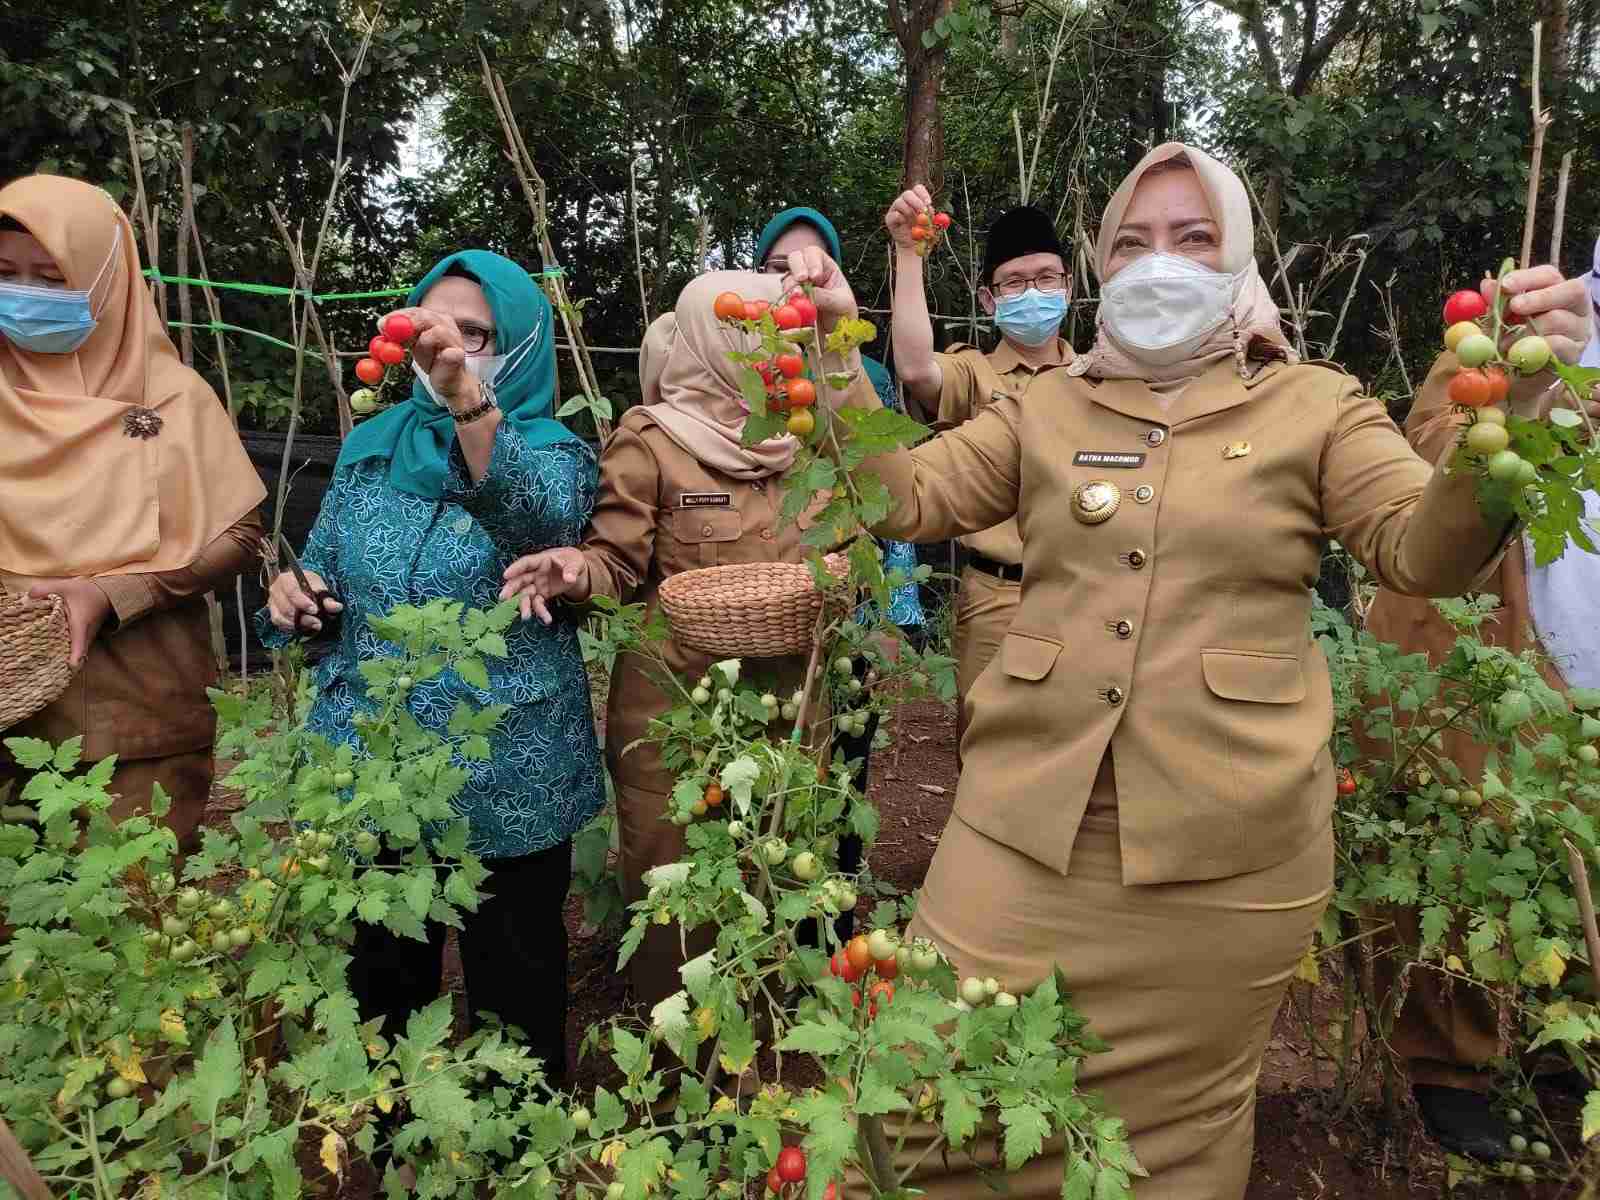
(961, 1112)
(217, 1073)
(1026, 1128)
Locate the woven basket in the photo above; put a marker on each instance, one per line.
(749, 610)
(35, 652)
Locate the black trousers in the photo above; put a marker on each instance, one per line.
(513, 957)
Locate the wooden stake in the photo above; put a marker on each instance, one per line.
(1580, 883)
(1561, 210)
(17, 1169)
(638, 254)
(1541, 122)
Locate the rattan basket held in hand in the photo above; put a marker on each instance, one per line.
(749, 610)
(35, 655)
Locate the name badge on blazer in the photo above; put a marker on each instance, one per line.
(705, 500)
(1107, 458)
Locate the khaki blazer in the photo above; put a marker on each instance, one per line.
(1175, 635)
(1413, 623)
(971, 381)
(660, 511)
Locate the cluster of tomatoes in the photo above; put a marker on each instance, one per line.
(790, 1169)
(1484, 382)
(386, 350)
(880, 953)
(788, 390)
(926, 230)
(186, 932)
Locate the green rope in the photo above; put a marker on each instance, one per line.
(224, 327)
(270, 289)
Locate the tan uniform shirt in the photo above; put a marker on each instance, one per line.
(660, 511)
(973, 380)
(1187, 612)
(141, 692)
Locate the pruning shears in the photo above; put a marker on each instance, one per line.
(330, 620)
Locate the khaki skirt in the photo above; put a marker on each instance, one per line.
(1183, 980)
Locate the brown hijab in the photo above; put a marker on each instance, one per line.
(117, 459)
(1253, 331)
(691, 387)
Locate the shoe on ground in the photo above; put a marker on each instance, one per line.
(1463, 1122)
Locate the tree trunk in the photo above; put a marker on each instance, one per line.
(922, 159)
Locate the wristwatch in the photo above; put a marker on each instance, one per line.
(479, 410)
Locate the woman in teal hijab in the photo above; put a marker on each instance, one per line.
(433, 499)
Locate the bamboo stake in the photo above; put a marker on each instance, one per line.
(1561, 209)
(185, 302)
(1591, 934)
(141, 209)
(638, 254)
(1541, 122)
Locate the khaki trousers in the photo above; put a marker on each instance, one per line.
(985, 607)
(1445, 1033)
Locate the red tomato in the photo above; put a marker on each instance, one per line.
(802, 393)
(919, 232)
(398, 327)
(1499, 386)
(791, 1166)
(787, 317)
(390, 353)
(728, 306)
(941, 220)
(882, 990)
(802, 304)
(372, 346)
(1471, 389)
(774, 1184)
(764, 369)
(855, 997)
(777, 400)
(924, 218)
(790, 365)
(1465, 305)
(1347, 782)
(754, 310)
(831, 1192)
(369, 370)
(856, 951)
(887, 968)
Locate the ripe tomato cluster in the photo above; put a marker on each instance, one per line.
(1484, 383)
(926, 230)
(790, 1169)
(386, 350)
(880, 953)
(788, 390)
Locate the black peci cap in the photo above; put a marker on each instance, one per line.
(1016, 232)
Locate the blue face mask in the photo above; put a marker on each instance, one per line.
(50, 320)
(1032, 318)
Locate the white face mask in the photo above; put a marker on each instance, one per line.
(1162, 307)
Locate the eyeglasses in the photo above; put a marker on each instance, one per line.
(474, 337)
(778, 264)
(1045, 281)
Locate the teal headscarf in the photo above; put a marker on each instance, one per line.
(792, 216)
(416, 437)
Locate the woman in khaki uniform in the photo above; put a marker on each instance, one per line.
(1148, 787)
(127, 493)
(678, 491)
(1448, 1034)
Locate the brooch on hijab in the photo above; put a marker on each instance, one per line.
(140, 422)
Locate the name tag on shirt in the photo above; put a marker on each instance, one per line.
(1107, 458)
(705, 500)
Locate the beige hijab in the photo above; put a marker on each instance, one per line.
(691, 387)
(116, 459)
(1253, 332)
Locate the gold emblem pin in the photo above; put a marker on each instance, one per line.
(1096, 501)
(1236, 450)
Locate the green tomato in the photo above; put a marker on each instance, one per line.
(1527, 475)
(724, 695)
(1485, 437)
(806, 867)
(924, 957)
(843, 666)
(776, 850)
(700, 696)
(1514, 1115)
(1490, 415)
(220, 911)
(789, 711)
(188, 900)
(153, 941)
(317, 863)
(881, 944)
(1004, 1000)
(973, 991)
(1475, 349)
(1525, 1173)
(768, 700)
(1471, 798)
(174, 927)
(1587, 755)
(119, 1088)
(404, 682)
(847, 897)
(240, 936)
(580, 1119)
(163, 883)
(1450, 796)
(221, 943)
(366, 842)
(1530, 354)
(853, 686)
(682, 818)
(343, 779)
(1589, 728)
(991, 986)
(363, 400)
(1517, 1142)
(1504, 466)
(1539, 1150)
(185, 950)
(736, 829)
(614, 1190)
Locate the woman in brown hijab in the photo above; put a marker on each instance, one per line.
(127, 493)
(678, 491)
